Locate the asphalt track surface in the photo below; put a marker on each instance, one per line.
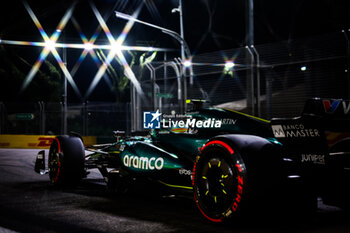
(28, 203)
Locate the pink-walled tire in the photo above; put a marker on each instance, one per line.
(219, 181)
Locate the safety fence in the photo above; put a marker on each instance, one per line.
(88, 119)
(286, 74)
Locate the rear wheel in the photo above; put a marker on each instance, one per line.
(66, 160)
(219, 181)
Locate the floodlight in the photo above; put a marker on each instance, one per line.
(187, 63)
(50, 45)
(88, 46)
(229, 65)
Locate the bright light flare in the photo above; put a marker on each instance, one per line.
(187, 63)
(116, 47)
(229, 65)
(303, 68)
(88, 46)
(50, 45)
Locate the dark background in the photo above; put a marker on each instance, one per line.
(209, 25)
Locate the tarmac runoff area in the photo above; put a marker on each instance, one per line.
(28, 203)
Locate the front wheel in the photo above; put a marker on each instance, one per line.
(66, 160)
(219, 181)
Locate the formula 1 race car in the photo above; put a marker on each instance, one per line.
(228, 160)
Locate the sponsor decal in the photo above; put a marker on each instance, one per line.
(45, 142)
(316, 159)
(143, 163)
(239, 188)
(294, 131)
(35, 141)
(185, 172)
(192, 123)
(331, 107)
(278, 131)
(151, 120)
(228, 121)
(180, 123)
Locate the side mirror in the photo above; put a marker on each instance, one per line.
(40, 163)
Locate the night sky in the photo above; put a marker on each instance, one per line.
(209, 25)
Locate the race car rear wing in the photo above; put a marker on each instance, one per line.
(323, 122)
(328, 107)
(334, 117)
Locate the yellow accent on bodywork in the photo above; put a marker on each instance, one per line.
(247, 115)
(175, 186)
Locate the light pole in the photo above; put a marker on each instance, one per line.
(250, 58)
(64, 115)
(348, 60)
(185, 51)
(171, 33)
(183, 70)
(179, 9)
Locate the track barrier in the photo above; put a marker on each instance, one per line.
(34, 141)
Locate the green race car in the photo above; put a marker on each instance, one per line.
(229, 161)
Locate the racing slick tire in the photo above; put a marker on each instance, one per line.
(219, 181)
(66, 160)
